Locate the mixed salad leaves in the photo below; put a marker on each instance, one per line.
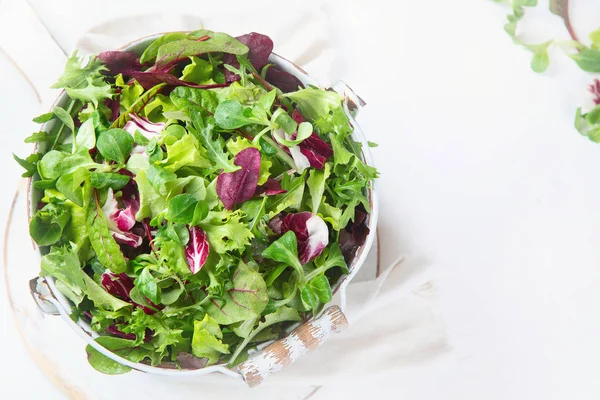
(195, 199)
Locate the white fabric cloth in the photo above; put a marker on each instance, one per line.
(393, 322)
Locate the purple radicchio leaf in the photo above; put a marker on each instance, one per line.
(148, 129)
(120, 62)
(283, 80)
(270, 188)
(259, 49)
(153, 78)
(238, 186)
(117, 218)
(120, 285)
(311, 232)
(315, 149)
(354, 234)
(197, 249)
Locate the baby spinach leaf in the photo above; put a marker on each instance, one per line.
(115, 145)
(182, 208)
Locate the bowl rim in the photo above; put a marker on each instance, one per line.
(352, 103)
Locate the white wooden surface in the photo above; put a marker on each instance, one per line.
(483, 178)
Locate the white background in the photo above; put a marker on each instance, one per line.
(484, 178)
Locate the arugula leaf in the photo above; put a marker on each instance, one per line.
(42, 119)
(200, 105)
(292, 199)
(115, 145)
(246, 298)
(107, 250)
(30, 164)
(329, 258)
(206, 341)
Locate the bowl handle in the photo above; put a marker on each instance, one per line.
(286, 351)
(41, 293)
(352, 102)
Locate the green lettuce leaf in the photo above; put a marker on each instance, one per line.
(184, 153)
(226, 231)
(206, 341)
